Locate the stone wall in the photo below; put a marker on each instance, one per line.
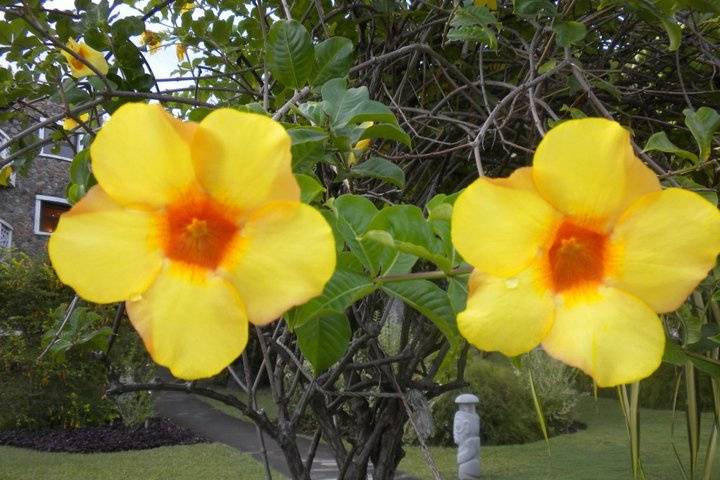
(46, 176)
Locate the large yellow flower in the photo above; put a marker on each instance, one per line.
(199, 227)
(90, 55)
(579, 252)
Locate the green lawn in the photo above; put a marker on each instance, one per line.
(185, 462)
(600, 452)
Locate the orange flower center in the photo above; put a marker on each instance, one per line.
(77, 64)
(576, 257)
(198, 231)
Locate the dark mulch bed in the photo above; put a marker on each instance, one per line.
(108, 438)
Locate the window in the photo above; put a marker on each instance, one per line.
(62, 149)
(3, 155)
(47, 213)
(5, 234)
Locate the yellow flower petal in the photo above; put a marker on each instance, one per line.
(613, 337)
(664, 245)
(521, 178)
(69, 123)
(510, 315)
(240, 157)
(640, 181)
(103, 251)
(140, 156)
(192, 323)
(500, 230)
(285, 257)
(579, 167)
(80, 69)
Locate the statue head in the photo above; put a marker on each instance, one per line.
(466, 402)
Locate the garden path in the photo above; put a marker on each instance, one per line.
(216, 426)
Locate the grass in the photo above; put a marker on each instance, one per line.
(601, 451)
(212, 461)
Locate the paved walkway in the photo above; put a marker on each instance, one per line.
(190, 412)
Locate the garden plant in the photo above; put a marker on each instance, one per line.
(375, 193)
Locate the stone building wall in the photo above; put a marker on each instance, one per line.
(46, 176)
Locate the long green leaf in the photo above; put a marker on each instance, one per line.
(324, 339)
(428, 299)
(289, 53)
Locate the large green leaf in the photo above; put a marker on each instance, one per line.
(660, 142)
(310, 188)
(428, 299)
(345, 287)
(568, 33)
(702, 123)
(324, 339)
(377, 167)
(389, 131)
(405, 223)
(354, 214)
(289, 53)
(333, 57)
(307, 134)
(351, 105)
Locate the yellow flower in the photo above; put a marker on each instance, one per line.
(187, 6)
(5, 174)
(70, 123)
(79, 69)
(199, 227)
(491, 4)
(360, 146)
(180, 50)
(579, 252)
(153, 41)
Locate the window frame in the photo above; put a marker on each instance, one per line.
(4, 154)
(76, 141)
(4, 224)
(39, 199)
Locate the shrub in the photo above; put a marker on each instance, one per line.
(506, 410)
(66, 386)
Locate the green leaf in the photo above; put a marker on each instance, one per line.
(458, 292)
(310, 188)
(333, 57)
(344, 288)
(702, 124)
(673, 30)
(376, 167)
(568, 33)
(307, 134)
(406, 224)
(660, 142)
(531, 8)
(384, 238)
(547, 66)
(675, 355)
(389, 131)
(354, 214)
(289, 53)
(306, 155)
(324, 339)
(473, 23)
(428, 299)
(351, 105)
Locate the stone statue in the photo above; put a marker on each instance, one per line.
(466, 433)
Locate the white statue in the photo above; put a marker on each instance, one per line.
(466, 432)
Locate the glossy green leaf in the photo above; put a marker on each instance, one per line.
(289, 53)
(389, 131)
(333, 58)
(324, 339)
(703, 124)
(377, 167)
(428, 299)
(344, 288)
(660, 142)
(310, 189)
(354, 214)
(351, 105)
(307, 134)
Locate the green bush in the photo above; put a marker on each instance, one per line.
(506, 409)
(66, 386)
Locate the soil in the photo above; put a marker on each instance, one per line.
(107, 438)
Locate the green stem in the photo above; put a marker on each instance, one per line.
(435, 274)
